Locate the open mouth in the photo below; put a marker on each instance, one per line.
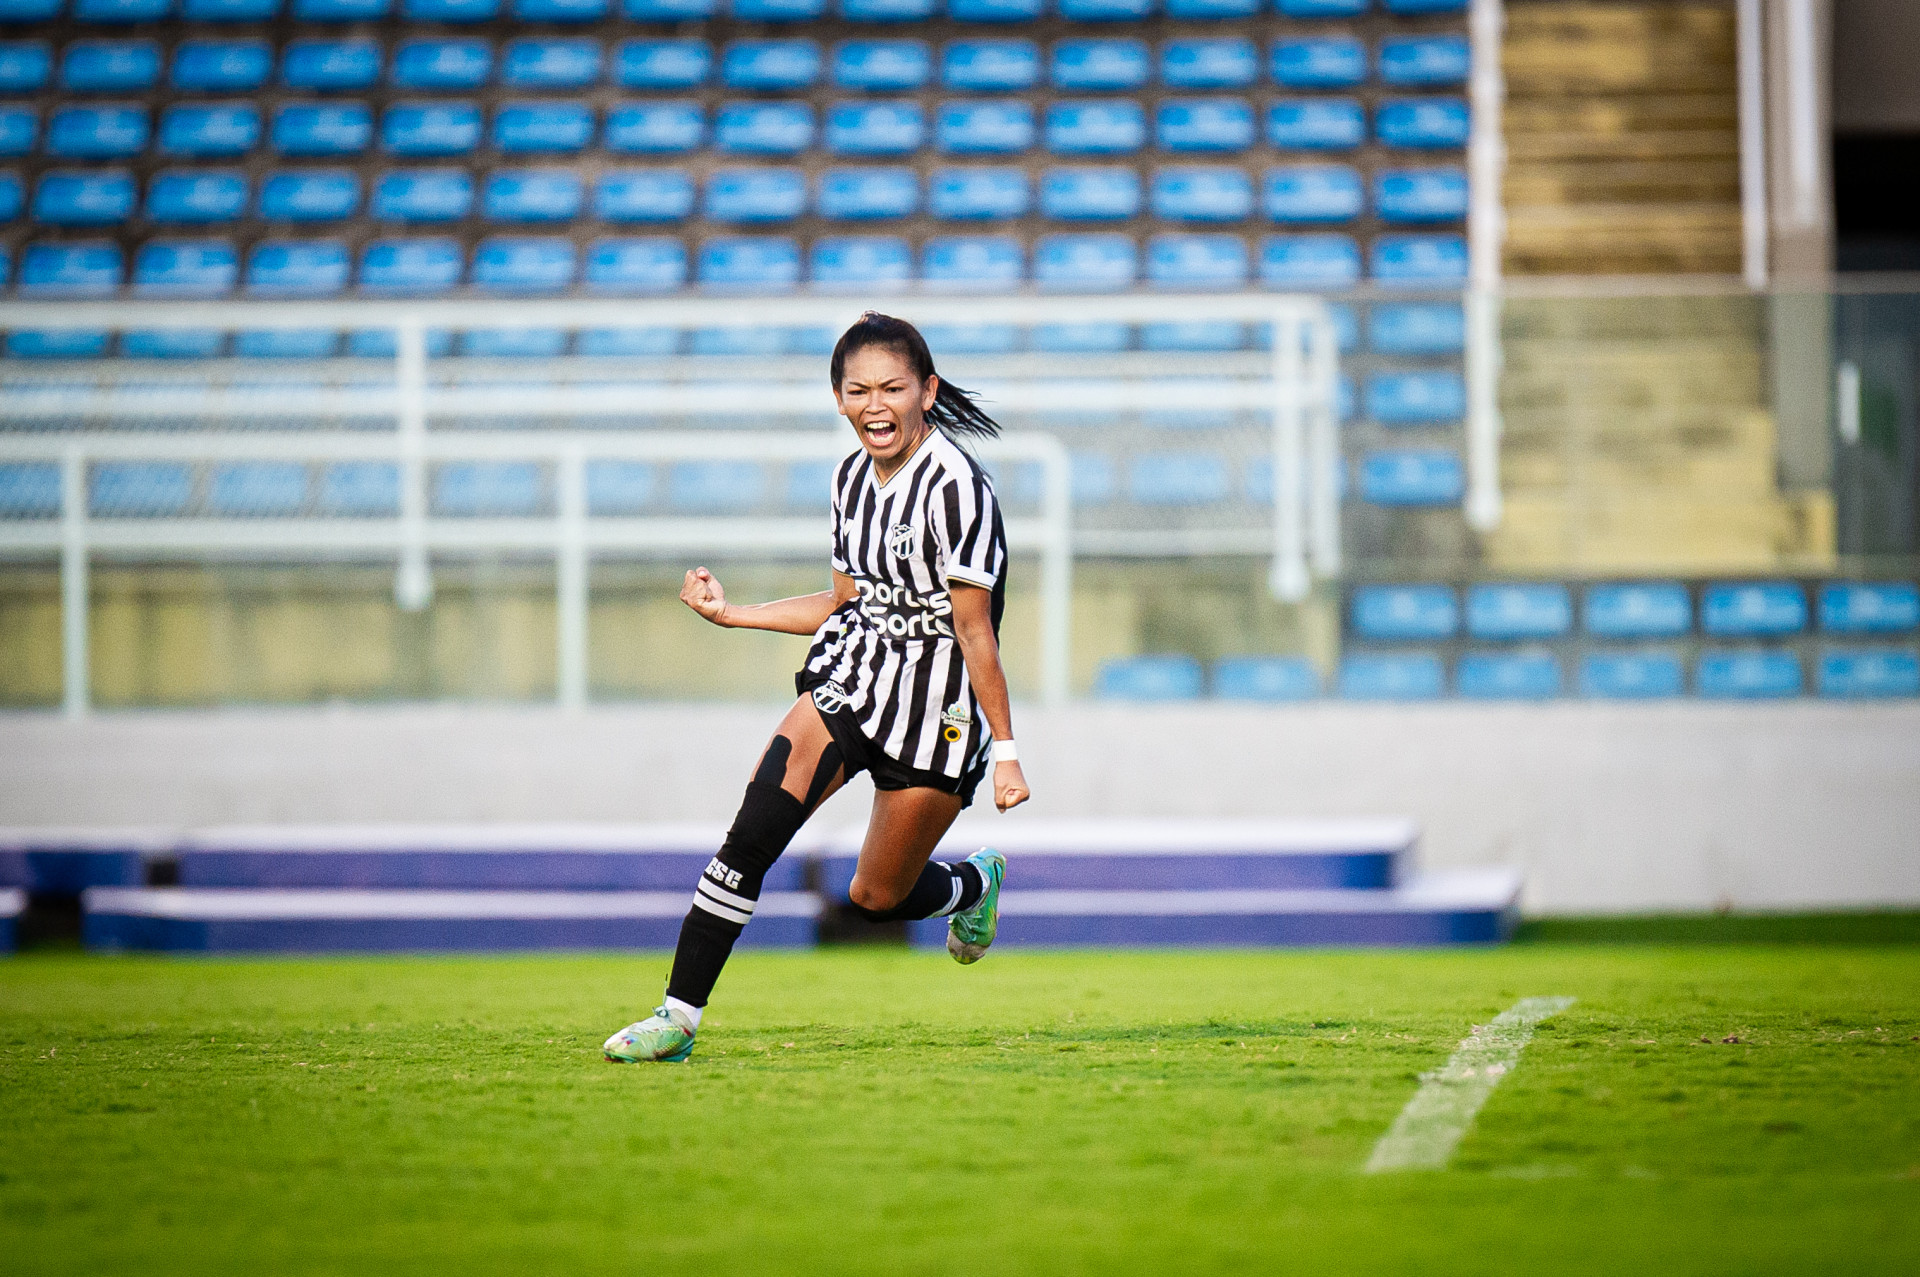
(881, 433)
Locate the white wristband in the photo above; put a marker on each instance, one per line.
(1004, 752)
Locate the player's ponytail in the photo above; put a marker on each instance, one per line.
(954, 409)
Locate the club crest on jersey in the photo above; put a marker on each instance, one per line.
(955, 719)
(830, 698)
(900, 540)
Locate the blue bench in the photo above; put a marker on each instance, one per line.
(1321, 62)
(1412, 477)
(95, 132)
(1868, 672)
(862, 262)
(1631, 676)
(256, 489)
(1422, 123)
(643, 195)
(1177, 479)
(1085, 263)
(988, 66)
(139, 489)
(772, 65)
(411, 266)
(478, 489)
(84, 199)
(1424, 61)
(1869, 607)
(764, 128)
(1095, 128)
(1202, 194)
(331, 65)
(344, 129)
(1402, 196)
(1313, 193)
(205, 132)
(1507, 676)
(650, 264)
(1209, 64)
(532, 195)
(972, 262)
(1092, 193)
(185, 268)
(422, 128)
(29, 489)
(368, 489)
(1092, 66)
(1416, 398)
(513, 343)
(756, 263)
(861, 194)
(756, 195)
(172, 343)
(207, 196)
(523, 264)
(1204, 124)
(1747, 674)
(1400, 676)
(1519, 611)
(620, 487)
(1309, 261)
(25, 65)
(90, 269)
(1317, 124)
(442, 65)
(1655, 609)
(312, 195)
(662, 64)
(984, 128)
(222, 66)
(1419, 261)
(551, 64)
(423, 195)
(110, 66)
(880, 128)
(1149, 678)
(1195, 261)
(658, 128)
(1402, 612)
(1417, 328)
(547, 127)
(968, 194)
(297, 268)
(882, 65)
(1265, 678)
(716, 487)
(1753, 609)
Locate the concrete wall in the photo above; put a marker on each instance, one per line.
(1684, 806)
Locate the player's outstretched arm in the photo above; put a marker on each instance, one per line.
(804, 614)
(973, 629)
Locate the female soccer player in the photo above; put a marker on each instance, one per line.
(904, 667)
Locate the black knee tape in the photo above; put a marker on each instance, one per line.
(768, 819)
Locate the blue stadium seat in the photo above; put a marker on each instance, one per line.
(222, 66)
(969, 194)
(25, 65)
(1400, 676)
(380, 343)
(1209, 64)
(1204, 124)
(1859, 673)
(1085, 263)
(547, 127)
(442, 65)
(1401, 612)
(523, 264)
(1747, 674)
(559, 10)
(1093, 66)
(58, 343)
(994, 10)
(1095, 128)
(110, 66)
(1322, 62)
(643, 195)
(1869, 607)
(19, 12)
(532, 195)
(1624, 676)
(1424, 398)
(1401, 196)
(770, 64)
(513, 343)
(1101, 193)
(886, 10)
(1425, 6)
(1148, 678)
(90, 269)
(1752, 609)
(206, 132)
(1416, 261)
(1177, 478)
(13, 198)
(29, 489)
(1198, 334)
(1309, 261)
(1412, 477)
(66, 198)
(880, 128)
(139, 489)
(19, 129)
(1220, 9)
(656, 128)
(754, 264)
(1306, 193)
(662, 64)
(626, 343)
(1656, 609)
(1317, 124)
(96, 132)
(1085, 338)
(650, 264)
(990, 66)
(1519, 611)
(343, 129)
(297, 268)
(1507, 676)
(985, 128)
(1417, 328)
(310, 195)
(882, 65)
(619, 487)
(777, 10)
(368, 489)
(1323, 8)
(324, 65)
(285, 343)
(475, 489)
(764, 128)
(982, 262)
(862, 262)
(228, 10)
(1424, 60)
(975, 339)
(202, 195)
(256, 489)
(716, 487)
(422, 195)
(1212, 194)
(1422, 123)
(423, 128)
(416, 266)
(668, 10)
(809, 484)
(755, 195)
(1265, 678)
(760, 341)
(859, 194)
(340, 10)
(120, 12)
(550, 64)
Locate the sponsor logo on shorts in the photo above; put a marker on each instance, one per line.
(955, 719)
(830, 698)
(900, 540)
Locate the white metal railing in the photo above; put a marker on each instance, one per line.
(1486, 238)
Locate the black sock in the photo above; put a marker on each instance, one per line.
(729, 888)
(941, 889)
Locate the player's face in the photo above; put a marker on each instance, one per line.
(885, 402)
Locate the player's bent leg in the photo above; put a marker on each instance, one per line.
(895, 881)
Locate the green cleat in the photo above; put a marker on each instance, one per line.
(970, 931)
(665, 1036)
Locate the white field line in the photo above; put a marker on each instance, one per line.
(1429, 1128)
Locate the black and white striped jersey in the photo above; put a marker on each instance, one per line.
(888, 654)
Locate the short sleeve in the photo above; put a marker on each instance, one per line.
(842, 562)
(966, 524)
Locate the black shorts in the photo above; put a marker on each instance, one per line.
(860, 753)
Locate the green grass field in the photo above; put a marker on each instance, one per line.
(1703, 1108)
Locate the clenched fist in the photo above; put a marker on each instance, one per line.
(701, 591)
